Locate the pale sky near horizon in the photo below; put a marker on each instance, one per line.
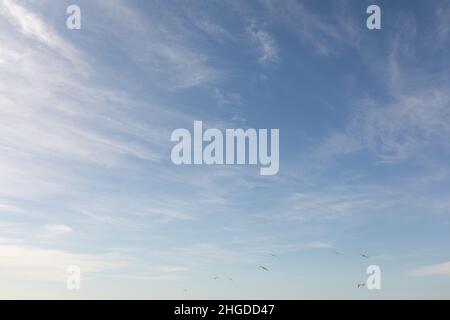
(85, 171)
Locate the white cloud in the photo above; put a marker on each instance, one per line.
(442, 13)
(232, 98)
(267, 46)
(318, 245)
(38, 264)
(58, 229)
(442, 269)
(6, 207)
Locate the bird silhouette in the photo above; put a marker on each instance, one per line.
(216, 277)
(361, 285)
(364, 255)
(264, 268)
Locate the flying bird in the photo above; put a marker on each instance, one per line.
(364, 255)
(231, 279)
(361, 285)
(273, 255)
(264, 268)
(216, 277)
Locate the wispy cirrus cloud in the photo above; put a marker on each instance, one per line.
(214, 30)
(160, 46)
(59, 125)
(409, 119)
(32, 26)
(396, 131)
(309, 26)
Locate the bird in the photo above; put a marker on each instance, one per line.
(216, 277)
(361, 285)
(230, 279)
(364, 255)
(264, 268)
(273, 255)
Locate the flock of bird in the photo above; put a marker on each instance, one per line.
(263, 268)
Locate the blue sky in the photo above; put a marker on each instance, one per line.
(85, 171)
